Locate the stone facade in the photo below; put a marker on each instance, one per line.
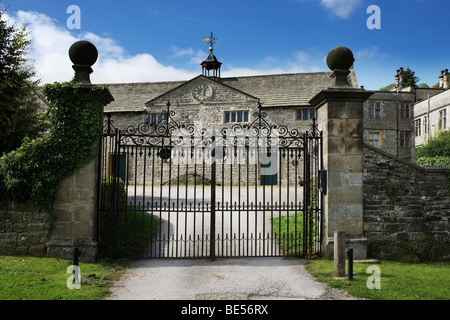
(403, 201)
(227, 96)
(386, 125)
(430, 117)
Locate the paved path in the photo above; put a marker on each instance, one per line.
(222, 279)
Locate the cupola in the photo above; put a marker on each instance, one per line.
(211, 66)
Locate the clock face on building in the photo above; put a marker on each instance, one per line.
(202, 92)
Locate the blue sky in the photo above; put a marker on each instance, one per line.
(161, 40)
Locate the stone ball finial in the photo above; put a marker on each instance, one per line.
(83, 55)
(340, 58)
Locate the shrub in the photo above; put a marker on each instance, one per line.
(107, 186)
(437, 161)
(438, 146)
(34, 171)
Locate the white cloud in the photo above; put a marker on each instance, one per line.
(341, 8)
(51, 42)
(49, 53)
(195, 57)
(369, 53)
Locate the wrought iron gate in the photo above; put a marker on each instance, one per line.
(173, 190)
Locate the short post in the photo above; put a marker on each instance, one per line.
(76, 255)
(76, 270)
(350, 264)
(339, 254)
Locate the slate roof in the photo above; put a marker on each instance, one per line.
(281, 90)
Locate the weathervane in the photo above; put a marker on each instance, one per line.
(211, 41)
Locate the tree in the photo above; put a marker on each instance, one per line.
(20, 114)
(409, 80)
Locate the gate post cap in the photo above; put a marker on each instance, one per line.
(340, 58)
(83, 54)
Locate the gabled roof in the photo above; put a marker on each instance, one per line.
(131, 97)
(222, 83)
(280, 90)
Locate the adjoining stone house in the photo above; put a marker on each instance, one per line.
(389, 117)
(431, 114)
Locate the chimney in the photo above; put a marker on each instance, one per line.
(399, 81)
(441, 80)
(445, 79)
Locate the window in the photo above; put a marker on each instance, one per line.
(374, 109)
(236, 116)
(442, 124)
(418, 127)
(374, 139)
(405, 139)
(154, 118)
(404, 110)
(425, 125)
(305, 114)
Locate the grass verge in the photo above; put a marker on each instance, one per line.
(289, 231)
(41, 278)
(398, 281)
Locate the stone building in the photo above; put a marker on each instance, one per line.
(430, 114)
(211, 102)
(389, 117)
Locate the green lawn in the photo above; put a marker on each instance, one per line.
(289, 233)
(33, 278)
(37, 278)
(398, 281)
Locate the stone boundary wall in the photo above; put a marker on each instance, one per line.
(31, 230)
(402, 201)
(24, 229)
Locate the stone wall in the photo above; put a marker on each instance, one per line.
(402, 201)
(30, 229)
(24, 229)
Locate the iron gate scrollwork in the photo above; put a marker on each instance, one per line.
(170, 189)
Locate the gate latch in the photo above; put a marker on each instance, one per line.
(323, 181)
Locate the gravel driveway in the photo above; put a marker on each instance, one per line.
(221, 279)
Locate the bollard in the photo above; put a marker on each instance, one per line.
(76, 254)
(339, 254)
(350, 264)
(76, 270)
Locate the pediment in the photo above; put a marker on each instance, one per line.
(184, 94)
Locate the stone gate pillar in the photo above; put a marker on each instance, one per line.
(75, 205)
(340, 117)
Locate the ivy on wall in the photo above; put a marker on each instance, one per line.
(35, 170)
